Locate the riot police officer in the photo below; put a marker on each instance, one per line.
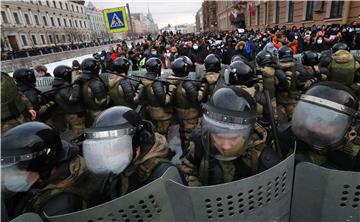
(228, 145)
(188, 97)
(212, 68)
(94, 90)
(124, 152)
(309, 72)
(157, 96)
(68, 98)
(325, 127)
(286, 93)
(15, 107)
(122, 92)
(26, 81)
(41, 173)
(266, 63)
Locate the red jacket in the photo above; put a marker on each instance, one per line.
(114, 56)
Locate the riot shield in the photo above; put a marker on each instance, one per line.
(27, 217)
(263, 197)
(321, 194)
(149, 203)
(44, 83)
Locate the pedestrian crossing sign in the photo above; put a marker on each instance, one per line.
(115, 20)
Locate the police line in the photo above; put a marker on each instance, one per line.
(283, 193)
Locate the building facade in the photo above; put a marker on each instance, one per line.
(28, 24)
(209, 11)
(259, 14)
(199, 20)
(143, 24)
(96, 23)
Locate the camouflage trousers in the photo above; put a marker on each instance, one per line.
(11, 123)
(77, 124)
(189, 119)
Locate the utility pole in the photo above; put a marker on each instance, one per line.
(131, 26)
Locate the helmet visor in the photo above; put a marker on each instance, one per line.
(319, 126)
(223, 140)
(108, 155)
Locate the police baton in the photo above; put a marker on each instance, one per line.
(273, 125)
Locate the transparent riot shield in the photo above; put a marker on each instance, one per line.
(262, 197)
(44, 83)
(27, 217)
(321, 194)
(149, 203)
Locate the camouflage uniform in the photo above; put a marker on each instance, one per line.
(14, 105)
(148, 167)
(70, 178)
(198, 171)
(157, 98)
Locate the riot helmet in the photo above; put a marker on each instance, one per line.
(181, 66)
(324, 114)
(212, 63)
(286, 54)
(25, 75)
(265, 58)
(91, 66)
(339, 46)
(25, 149)
(153, 65)
(111, 142)
(237, 58)
(239, 73)
(63, 72)
(228, 122)
(310, 58)
(121, 65)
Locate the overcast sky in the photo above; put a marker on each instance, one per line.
(164, 12)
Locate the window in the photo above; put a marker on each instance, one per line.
(336, 9)
(52, 21)
(59, 22)
(36, 20)
(309, 10)
(277, 10)
(69, 38)
(81, 10)
(63, 38)
(290, 17)
(50, 39)
(257, 15)
(66, 5)
(72, 7)
(42, 39)
(44, 19)
(16, 17)
(54, 3)
(71, 24)
(34, 39)
(24, 40)
(80, 24)
(61, 5)
(47, 3)
(77, 9)
(84, 24)
(65, 23)
(27, 19)
(4, 18)
(40, 2)
(57, 38)
(76, 25)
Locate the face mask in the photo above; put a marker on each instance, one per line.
(16, 181)
(195, 47)
(296, 37)
(153, 52)
(109, 155)
(319, 41)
